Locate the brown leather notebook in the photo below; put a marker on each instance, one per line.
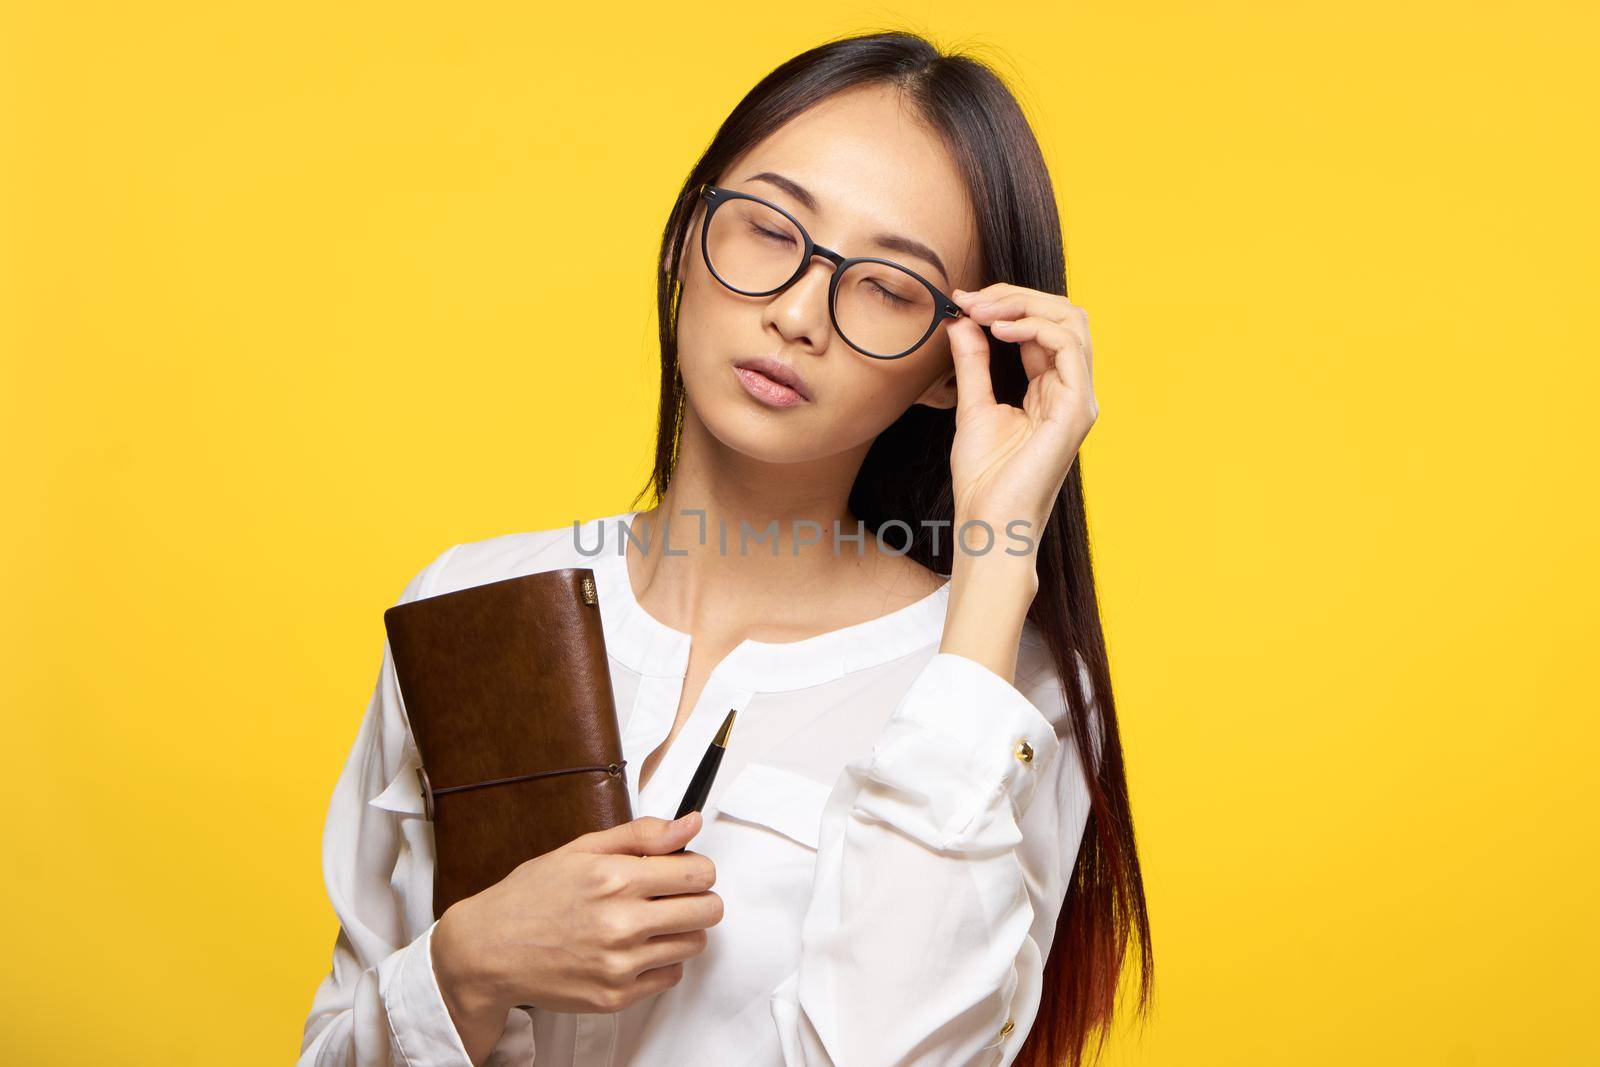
(508, 692)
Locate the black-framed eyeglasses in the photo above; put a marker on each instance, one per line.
(880, 308)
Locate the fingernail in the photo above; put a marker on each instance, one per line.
(684, 818)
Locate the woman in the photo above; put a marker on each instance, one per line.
(913, 861)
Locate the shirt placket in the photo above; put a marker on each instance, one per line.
(595, 1040)
(655, 706)
(671, 778)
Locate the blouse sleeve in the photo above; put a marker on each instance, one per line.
(380, 1004)
(941, 871)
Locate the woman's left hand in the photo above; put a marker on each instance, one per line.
(1008, 462)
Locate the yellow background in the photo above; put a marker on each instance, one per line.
(293, 298)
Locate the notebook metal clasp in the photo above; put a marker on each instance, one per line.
(427, 792)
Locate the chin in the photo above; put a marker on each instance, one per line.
(744, 425)
(761, 434)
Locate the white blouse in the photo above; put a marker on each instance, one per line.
(890, 860)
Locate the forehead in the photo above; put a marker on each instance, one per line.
(873, 166)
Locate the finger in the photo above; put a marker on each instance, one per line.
(1070, 409)
(657, 980)
(1036, 358)
(1073, 368)
(1055, 336)
(1012, 308)
(1066, 409)
(969, 348)
(667, 949)
(646, 835)
(687, 911)
(680, 872)
(1009, 301)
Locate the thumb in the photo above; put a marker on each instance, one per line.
(647, 835)
(970, 352)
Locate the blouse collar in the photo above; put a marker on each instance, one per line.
(649, 646)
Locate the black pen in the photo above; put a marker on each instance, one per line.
(694, 798)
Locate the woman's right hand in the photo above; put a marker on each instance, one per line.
(592, 926)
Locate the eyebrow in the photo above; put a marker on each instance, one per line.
(893, 241)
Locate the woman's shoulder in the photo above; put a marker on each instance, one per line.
(512, 555)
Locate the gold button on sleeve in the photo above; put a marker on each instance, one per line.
(1010, 1025)
(1024, 751)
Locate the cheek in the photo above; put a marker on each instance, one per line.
(902, 382)
(871, 397)
(705, 334)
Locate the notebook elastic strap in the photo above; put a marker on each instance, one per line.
(428, 792)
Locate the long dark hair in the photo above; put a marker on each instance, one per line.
(1019, 229)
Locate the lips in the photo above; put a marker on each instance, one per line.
(779, 372)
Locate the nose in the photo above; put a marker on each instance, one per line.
(800, 310)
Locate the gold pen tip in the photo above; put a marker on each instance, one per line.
(721, 740)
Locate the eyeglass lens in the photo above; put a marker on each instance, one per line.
(879, 308)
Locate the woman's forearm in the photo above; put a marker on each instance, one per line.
(480, 1020)
(989, 599)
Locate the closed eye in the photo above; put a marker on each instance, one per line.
(764, 232)
(888, 296)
